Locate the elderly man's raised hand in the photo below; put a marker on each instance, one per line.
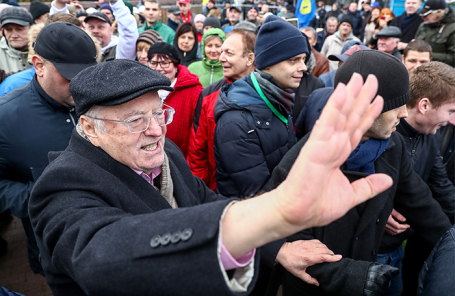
(316, 192)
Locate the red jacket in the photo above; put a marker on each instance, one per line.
(201, 156)
(183, 99)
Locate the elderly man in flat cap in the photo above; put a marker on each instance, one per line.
(119, 212)
(388, 39)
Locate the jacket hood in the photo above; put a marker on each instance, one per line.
(213, 31)
(185, 79)
(241, 95)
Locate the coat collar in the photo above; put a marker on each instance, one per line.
(45, 99)
(130, 179)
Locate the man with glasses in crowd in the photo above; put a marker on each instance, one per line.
(438, 30)
(119, 212)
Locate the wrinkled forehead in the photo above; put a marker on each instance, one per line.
(146, 103)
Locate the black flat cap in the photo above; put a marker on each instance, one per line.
(390, 31)
(16, 15)
(392, 75)
(114, 83)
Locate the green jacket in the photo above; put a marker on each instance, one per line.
(208, 71)
(442, 43)
(165, 32)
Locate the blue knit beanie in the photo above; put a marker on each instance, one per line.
(277, 41)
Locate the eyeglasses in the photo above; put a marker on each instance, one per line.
(140, 123)
(163, 64)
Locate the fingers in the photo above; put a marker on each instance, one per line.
(393, 227)
(369, 187)
(398, 216)
(308, 278)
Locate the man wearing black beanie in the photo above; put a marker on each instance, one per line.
(39, 11)
(357, 236)
(254, 130)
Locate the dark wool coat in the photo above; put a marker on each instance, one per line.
(358, 234)
(101, 228)
(408, 33)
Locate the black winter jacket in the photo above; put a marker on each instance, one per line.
(426, 160)
(358, 234)
(249, 140)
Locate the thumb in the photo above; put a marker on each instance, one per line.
(308, 279)
(370, 186)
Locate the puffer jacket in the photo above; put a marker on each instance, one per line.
(183, 99)
(12, 60)
(441, 37)
(201, 156)
(249, 140)
(207, 70)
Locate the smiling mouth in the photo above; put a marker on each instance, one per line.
(150, 147)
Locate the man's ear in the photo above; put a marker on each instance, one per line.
(250, 60)
(39, 65)
(88, 126)
(423, 105)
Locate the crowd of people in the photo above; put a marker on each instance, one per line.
(216, 154)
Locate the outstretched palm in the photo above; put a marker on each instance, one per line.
(327, 194)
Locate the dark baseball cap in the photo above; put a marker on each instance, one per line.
(347, 53)
(174, 10)
(431, 5)
(99, 16)
(67, 46)
(16, 15)
(236, 8)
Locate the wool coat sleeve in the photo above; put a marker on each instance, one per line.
(441, 187)
(345, 277)
(13, 194)
(241, 168)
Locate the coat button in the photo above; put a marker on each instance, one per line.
(165, 239)
(155, 242)
(68, 120)
(357, 238)
(374, 252)
(186, 234)
(267, 123)
(377, 221)
(175, 237)
(258, 122)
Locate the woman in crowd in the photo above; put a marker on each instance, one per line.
(143, 43)
(209, 70)
(165, 59)
(385, 18)
(372, 23)
(185, 42)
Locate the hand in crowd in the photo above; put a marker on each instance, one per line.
(60, 4)
(297, 256)
(402, 45)
(378, 278)
(315, 192)
(394, 226)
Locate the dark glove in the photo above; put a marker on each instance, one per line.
(378, 278)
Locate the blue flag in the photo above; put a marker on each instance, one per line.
(304, 11)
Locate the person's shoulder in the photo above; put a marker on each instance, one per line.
(16, 96)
